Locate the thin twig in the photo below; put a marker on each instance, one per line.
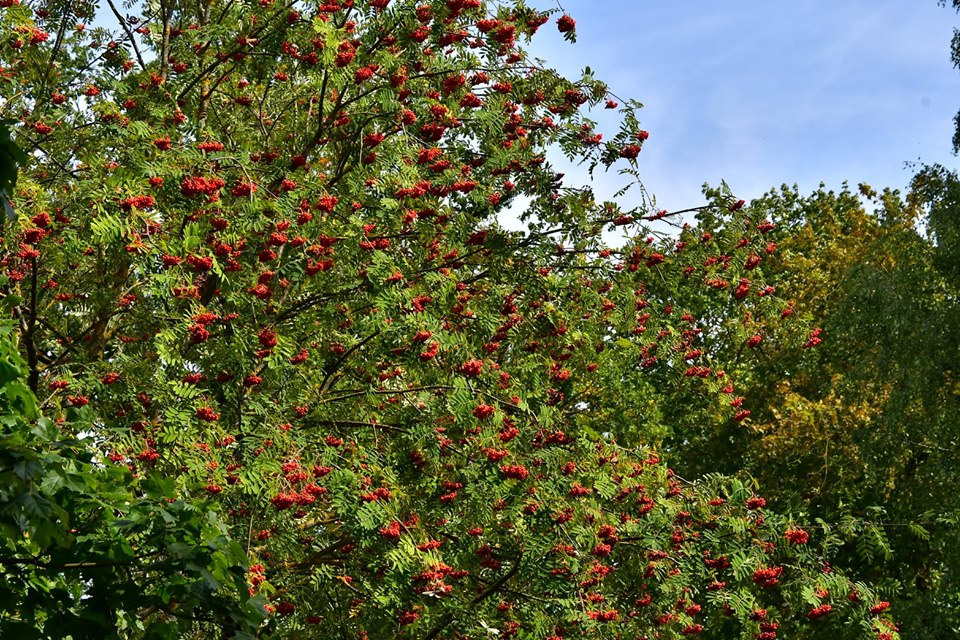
(126, 29)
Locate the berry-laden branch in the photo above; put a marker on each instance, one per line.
(126, 29)
(489, 591)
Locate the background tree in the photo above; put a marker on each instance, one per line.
(865, 424)
(258, 271)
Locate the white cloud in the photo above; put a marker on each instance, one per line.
(762, 94)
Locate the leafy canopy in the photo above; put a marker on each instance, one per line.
(258, 274)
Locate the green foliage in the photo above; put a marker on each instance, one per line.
(860, 429)
(299, 380)
(84, 541)
(11, 157)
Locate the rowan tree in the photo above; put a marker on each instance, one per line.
(258, 272)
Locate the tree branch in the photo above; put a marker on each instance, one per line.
(126, 29)
(336, 367)
(489, 591)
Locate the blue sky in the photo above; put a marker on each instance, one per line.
(765, 93)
